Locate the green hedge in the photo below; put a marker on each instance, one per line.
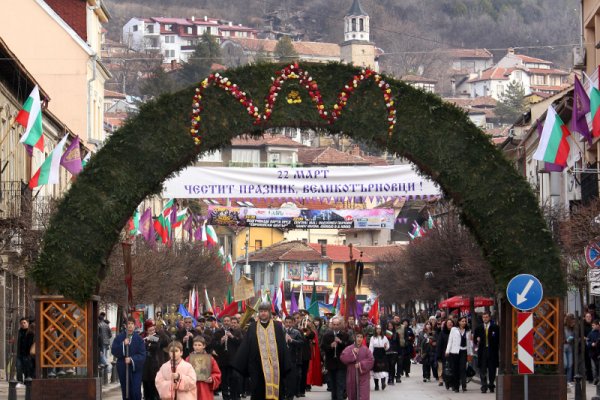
(497, 204)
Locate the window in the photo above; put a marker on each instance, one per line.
(169, 27)
(135, 28)
(322, 241)
(169, 53)
(189, 30)
(275, 158)
(353, 24)
(245, 157)
(214, 156)
(338, 276)
(500, 90)
(257, 244)
(518, 75)
(367, 279)
(361, 24)
(150, 28)
(208, 31)
(263, 272)
(170, 39)
(271, 273)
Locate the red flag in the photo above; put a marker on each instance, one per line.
(314, 375)
(230, 310)
(282, 294)
(336, 298)
(374, 312)
(343, 307)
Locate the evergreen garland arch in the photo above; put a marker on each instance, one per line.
(496, 203)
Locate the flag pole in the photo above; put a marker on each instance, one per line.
(8, 129)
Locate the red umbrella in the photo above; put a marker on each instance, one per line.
(464, 302)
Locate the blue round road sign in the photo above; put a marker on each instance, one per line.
(524, 292)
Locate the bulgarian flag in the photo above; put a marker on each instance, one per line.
(49, 172)
(336, 297)
(221, 254)
(86, 160)
(162, 228)
(134, 224)
(30, 117)
(167, 208)
(211, 236)
(553, 147)
(207, 305)
(180, 217)
(229, 264)
(595, 111)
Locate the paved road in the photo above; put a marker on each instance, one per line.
(412, 388)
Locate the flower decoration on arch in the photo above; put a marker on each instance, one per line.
(293, 71)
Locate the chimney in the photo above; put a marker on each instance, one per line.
(453, 85)
(193, 18)
(511, 50)
(304, 241)
(230, 23)
(173, 65)
(356, 150)
(323, 250)
(205, 18)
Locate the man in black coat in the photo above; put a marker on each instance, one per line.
(186, 336)
(334, 342)
(226, 343)
(25, 340)
(487, 339)
(294, 343)
(255, 357)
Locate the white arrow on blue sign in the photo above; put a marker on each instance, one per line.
(524, 292)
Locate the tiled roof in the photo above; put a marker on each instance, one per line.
(470, 53)
(113, 94)
(377, 161)
(328, 156)
(476, 102)
(266, 140)
(287, 251)
(417, 78)
(341, 253)
(116, 120)
(547, 71)
(533, 60)
(235, 28)
(494, 73)
(302, 48)
(178, 21)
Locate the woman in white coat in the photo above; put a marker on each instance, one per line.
(459, 348)
(379, 344)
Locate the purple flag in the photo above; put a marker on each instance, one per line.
(547, 166)
(198, 234)
(359, 310)
(147, 227)
(187, 225)
(71, 159)
(581, 106)
(293, 303)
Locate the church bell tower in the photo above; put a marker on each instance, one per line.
(357, 49)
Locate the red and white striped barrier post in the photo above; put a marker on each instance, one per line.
(525, 347)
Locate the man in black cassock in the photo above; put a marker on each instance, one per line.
(263, 357)
(129, 350)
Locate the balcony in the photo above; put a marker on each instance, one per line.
(15, 197)
(262, 164)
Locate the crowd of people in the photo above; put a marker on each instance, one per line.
(272, 359)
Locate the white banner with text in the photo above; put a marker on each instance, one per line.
(223, 182)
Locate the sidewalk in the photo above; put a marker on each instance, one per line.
(106, 390)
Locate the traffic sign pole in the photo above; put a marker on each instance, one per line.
(525, 348)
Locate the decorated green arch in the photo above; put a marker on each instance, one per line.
(170, 132)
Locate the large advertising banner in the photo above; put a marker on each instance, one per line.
(297, 218)
(221, 182)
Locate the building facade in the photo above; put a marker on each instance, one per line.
(175, 38)
(64, 57)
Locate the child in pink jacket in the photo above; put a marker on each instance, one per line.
(183, 380)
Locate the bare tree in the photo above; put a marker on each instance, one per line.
(165, 275)
(445, 261)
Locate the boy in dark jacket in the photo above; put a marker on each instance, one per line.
(428, 356)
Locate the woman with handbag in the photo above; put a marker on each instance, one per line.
(458, 349)
(392, 351)
(379, 345)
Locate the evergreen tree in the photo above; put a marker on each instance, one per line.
(285, 51)
(512, 103)
(206, 52)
